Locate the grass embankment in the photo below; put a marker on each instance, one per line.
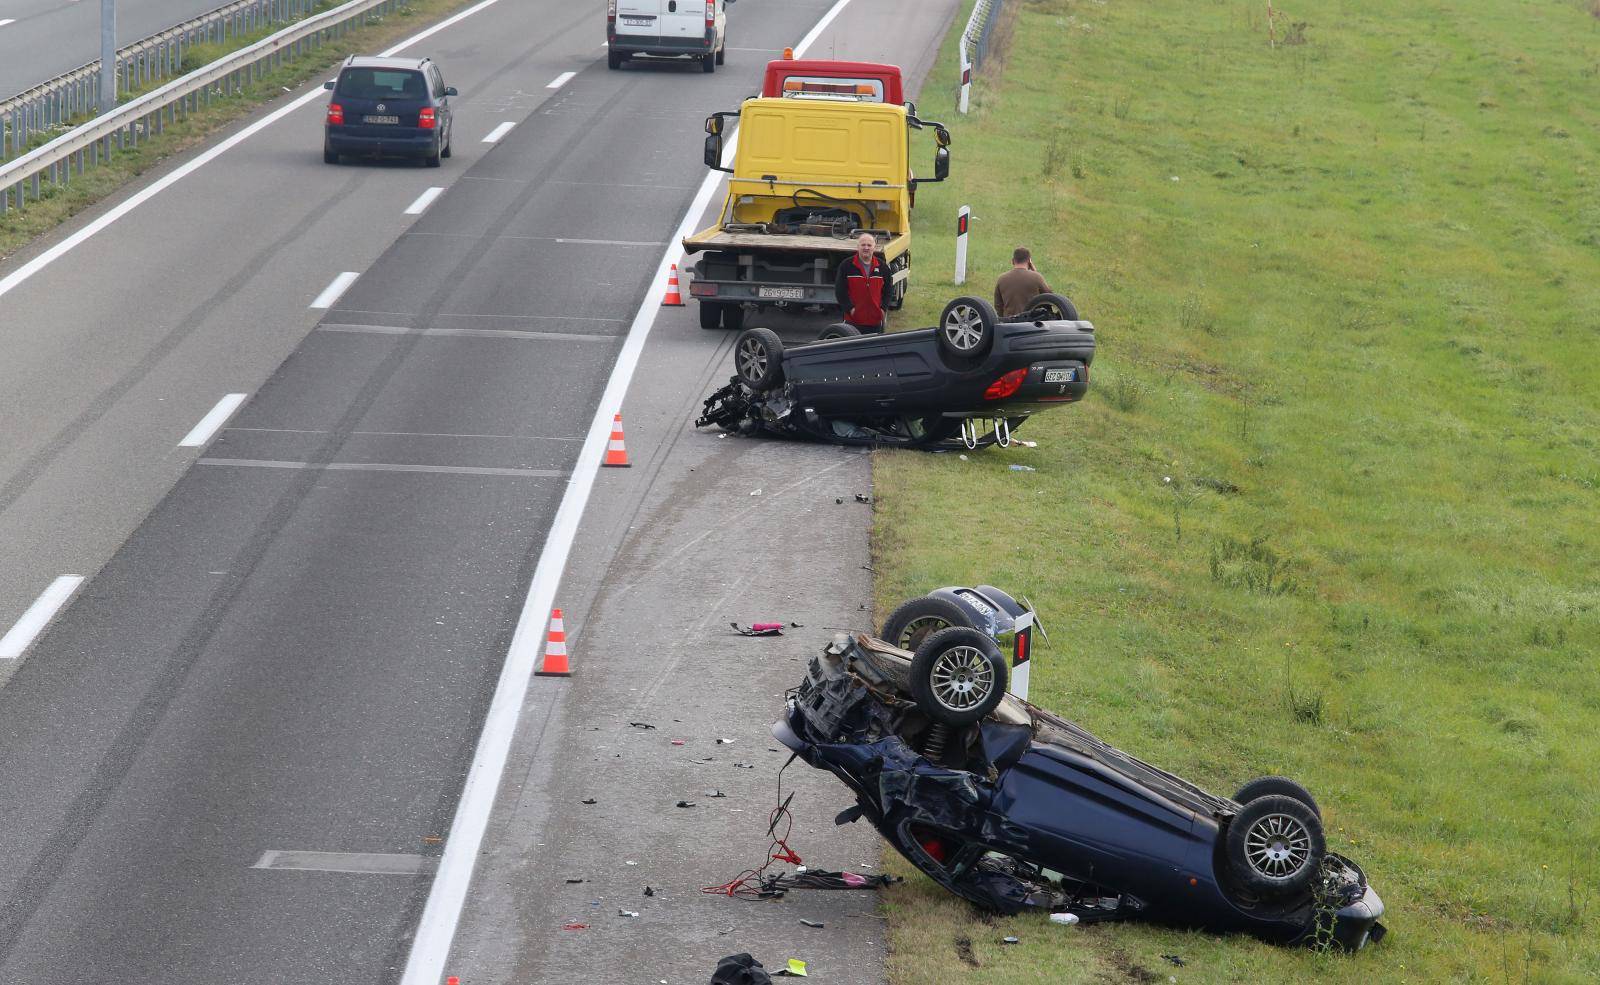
(1348, 300)
(19, 226)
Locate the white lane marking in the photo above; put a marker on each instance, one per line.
(64, 247)
(468, 333)
(416, 434)
(360, 863)
(423, 201)
(436, 929)
(498, 132)
(331, 293)
(561, 80)
(8, 20)
(38, 616)
(263, 463)
(211, 422)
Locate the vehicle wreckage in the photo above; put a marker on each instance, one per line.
(1014, 808)
(971, 380)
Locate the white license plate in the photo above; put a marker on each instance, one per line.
(637, 21)
(380, 119)
(1060, 375)
(784, 293)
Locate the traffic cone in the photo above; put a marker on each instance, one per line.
(616, 454)
(673, 298)
(555, 649)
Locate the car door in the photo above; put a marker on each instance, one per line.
(684, 22)
(442, 105)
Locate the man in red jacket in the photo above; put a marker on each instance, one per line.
(862, 287)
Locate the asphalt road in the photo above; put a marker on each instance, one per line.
(44, 38)
(293, 650)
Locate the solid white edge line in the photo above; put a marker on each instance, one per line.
(561, 80)
(212, 421)
(333, 291)
(423, 201)
(494, 135)
(44, 608)
(53, 254)
(436, 929)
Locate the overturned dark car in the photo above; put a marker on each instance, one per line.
(1014, 808)
(973, 379)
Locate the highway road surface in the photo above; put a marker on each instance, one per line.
(304, 432)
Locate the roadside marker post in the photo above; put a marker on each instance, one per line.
(966, 75)
(963, 217)
(1022, 656)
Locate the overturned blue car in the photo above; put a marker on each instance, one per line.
(1014, 808)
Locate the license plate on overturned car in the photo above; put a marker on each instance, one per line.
(380, 119)
(786, 293)
(1060, 375)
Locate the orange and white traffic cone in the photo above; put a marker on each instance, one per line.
(616, 454)
(673, 298)
(555, 649)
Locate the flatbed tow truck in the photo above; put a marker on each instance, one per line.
(823, 155)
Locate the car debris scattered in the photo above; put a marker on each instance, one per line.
(685, 803)
(811, 923)
(590, 800)
(758, 629)
(1016, 809)
(740, 969)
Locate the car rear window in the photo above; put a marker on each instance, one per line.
(382, 83)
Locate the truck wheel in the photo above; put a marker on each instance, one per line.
(613, 59)
(840, 330)
(708, 63)
(758, 358)
(1275, 846)
(710, 315)
(966, 329)
(958, 676)
(1050, 307)
(733, 317)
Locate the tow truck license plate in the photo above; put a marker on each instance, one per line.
(787, 293)
(1060, 375)
(637, 21)
(380, 119)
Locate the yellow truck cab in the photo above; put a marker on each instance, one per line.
(823, 158)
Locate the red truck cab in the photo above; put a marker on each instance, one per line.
(822, 79)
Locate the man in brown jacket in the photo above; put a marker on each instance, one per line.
(1019, 285)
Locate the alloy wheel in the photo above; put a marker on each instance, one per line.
(963, 328)
(1278, 846)
(961, 678)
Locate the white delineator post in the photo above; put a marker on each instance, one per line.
(966, 75)
(963, 216)
(1022, 656)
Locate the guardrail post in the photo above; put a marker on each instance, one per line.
(963, 217)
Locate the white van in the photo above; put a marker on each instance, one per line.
(696, 28)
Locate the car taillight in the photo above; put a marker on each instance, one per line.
(1006, 385)
(335, 115)
(425, 118)
(711, 12)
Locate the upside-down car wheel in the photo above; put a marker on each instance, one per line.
(1263, 785)
(966, 329)
(958, 676)
(918, 619)
(1275, 846)
(839, 330)
(1050, 307)
(758, 358)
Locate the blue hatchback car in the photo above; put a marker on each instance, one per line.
(388, 107)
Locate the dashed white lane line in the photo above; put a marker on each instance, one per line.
(498, 132)
(423, 201)
(561, 80)
(38, 616)
(209, 424)
(333, 291)
(7, 20)
(436, 930)
(360, 863)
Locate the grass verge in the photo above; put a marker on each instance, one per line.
(18, 227)
(1330, 508)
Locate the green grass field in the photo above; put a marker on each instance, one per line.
(1332, 508)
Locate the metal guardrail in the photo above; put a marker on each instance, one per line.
(52, 105)
(974, 43)
(87, 144)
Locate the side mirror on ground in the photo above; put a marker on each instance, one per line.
(941, 164)
(328, 85)
(451, 91)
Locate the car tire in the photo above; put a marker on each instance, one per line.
(1263, 785)
(916, 620)
(839, 330)
(613, 59)
(710, 315)
(966, 328)
(732, 317)
(722, 52)
(1274, 846)
(758, 358)
(1050, 307)
(958, 676)
(329, 156)
(708, 62)
(432, 160)
(448, 147)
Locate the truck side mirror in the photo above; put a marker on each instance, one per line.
(714, 124)
(941, 135)
(941, 164)
(714, 152)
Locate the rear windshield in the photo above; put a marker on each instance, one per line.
(382, 83)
